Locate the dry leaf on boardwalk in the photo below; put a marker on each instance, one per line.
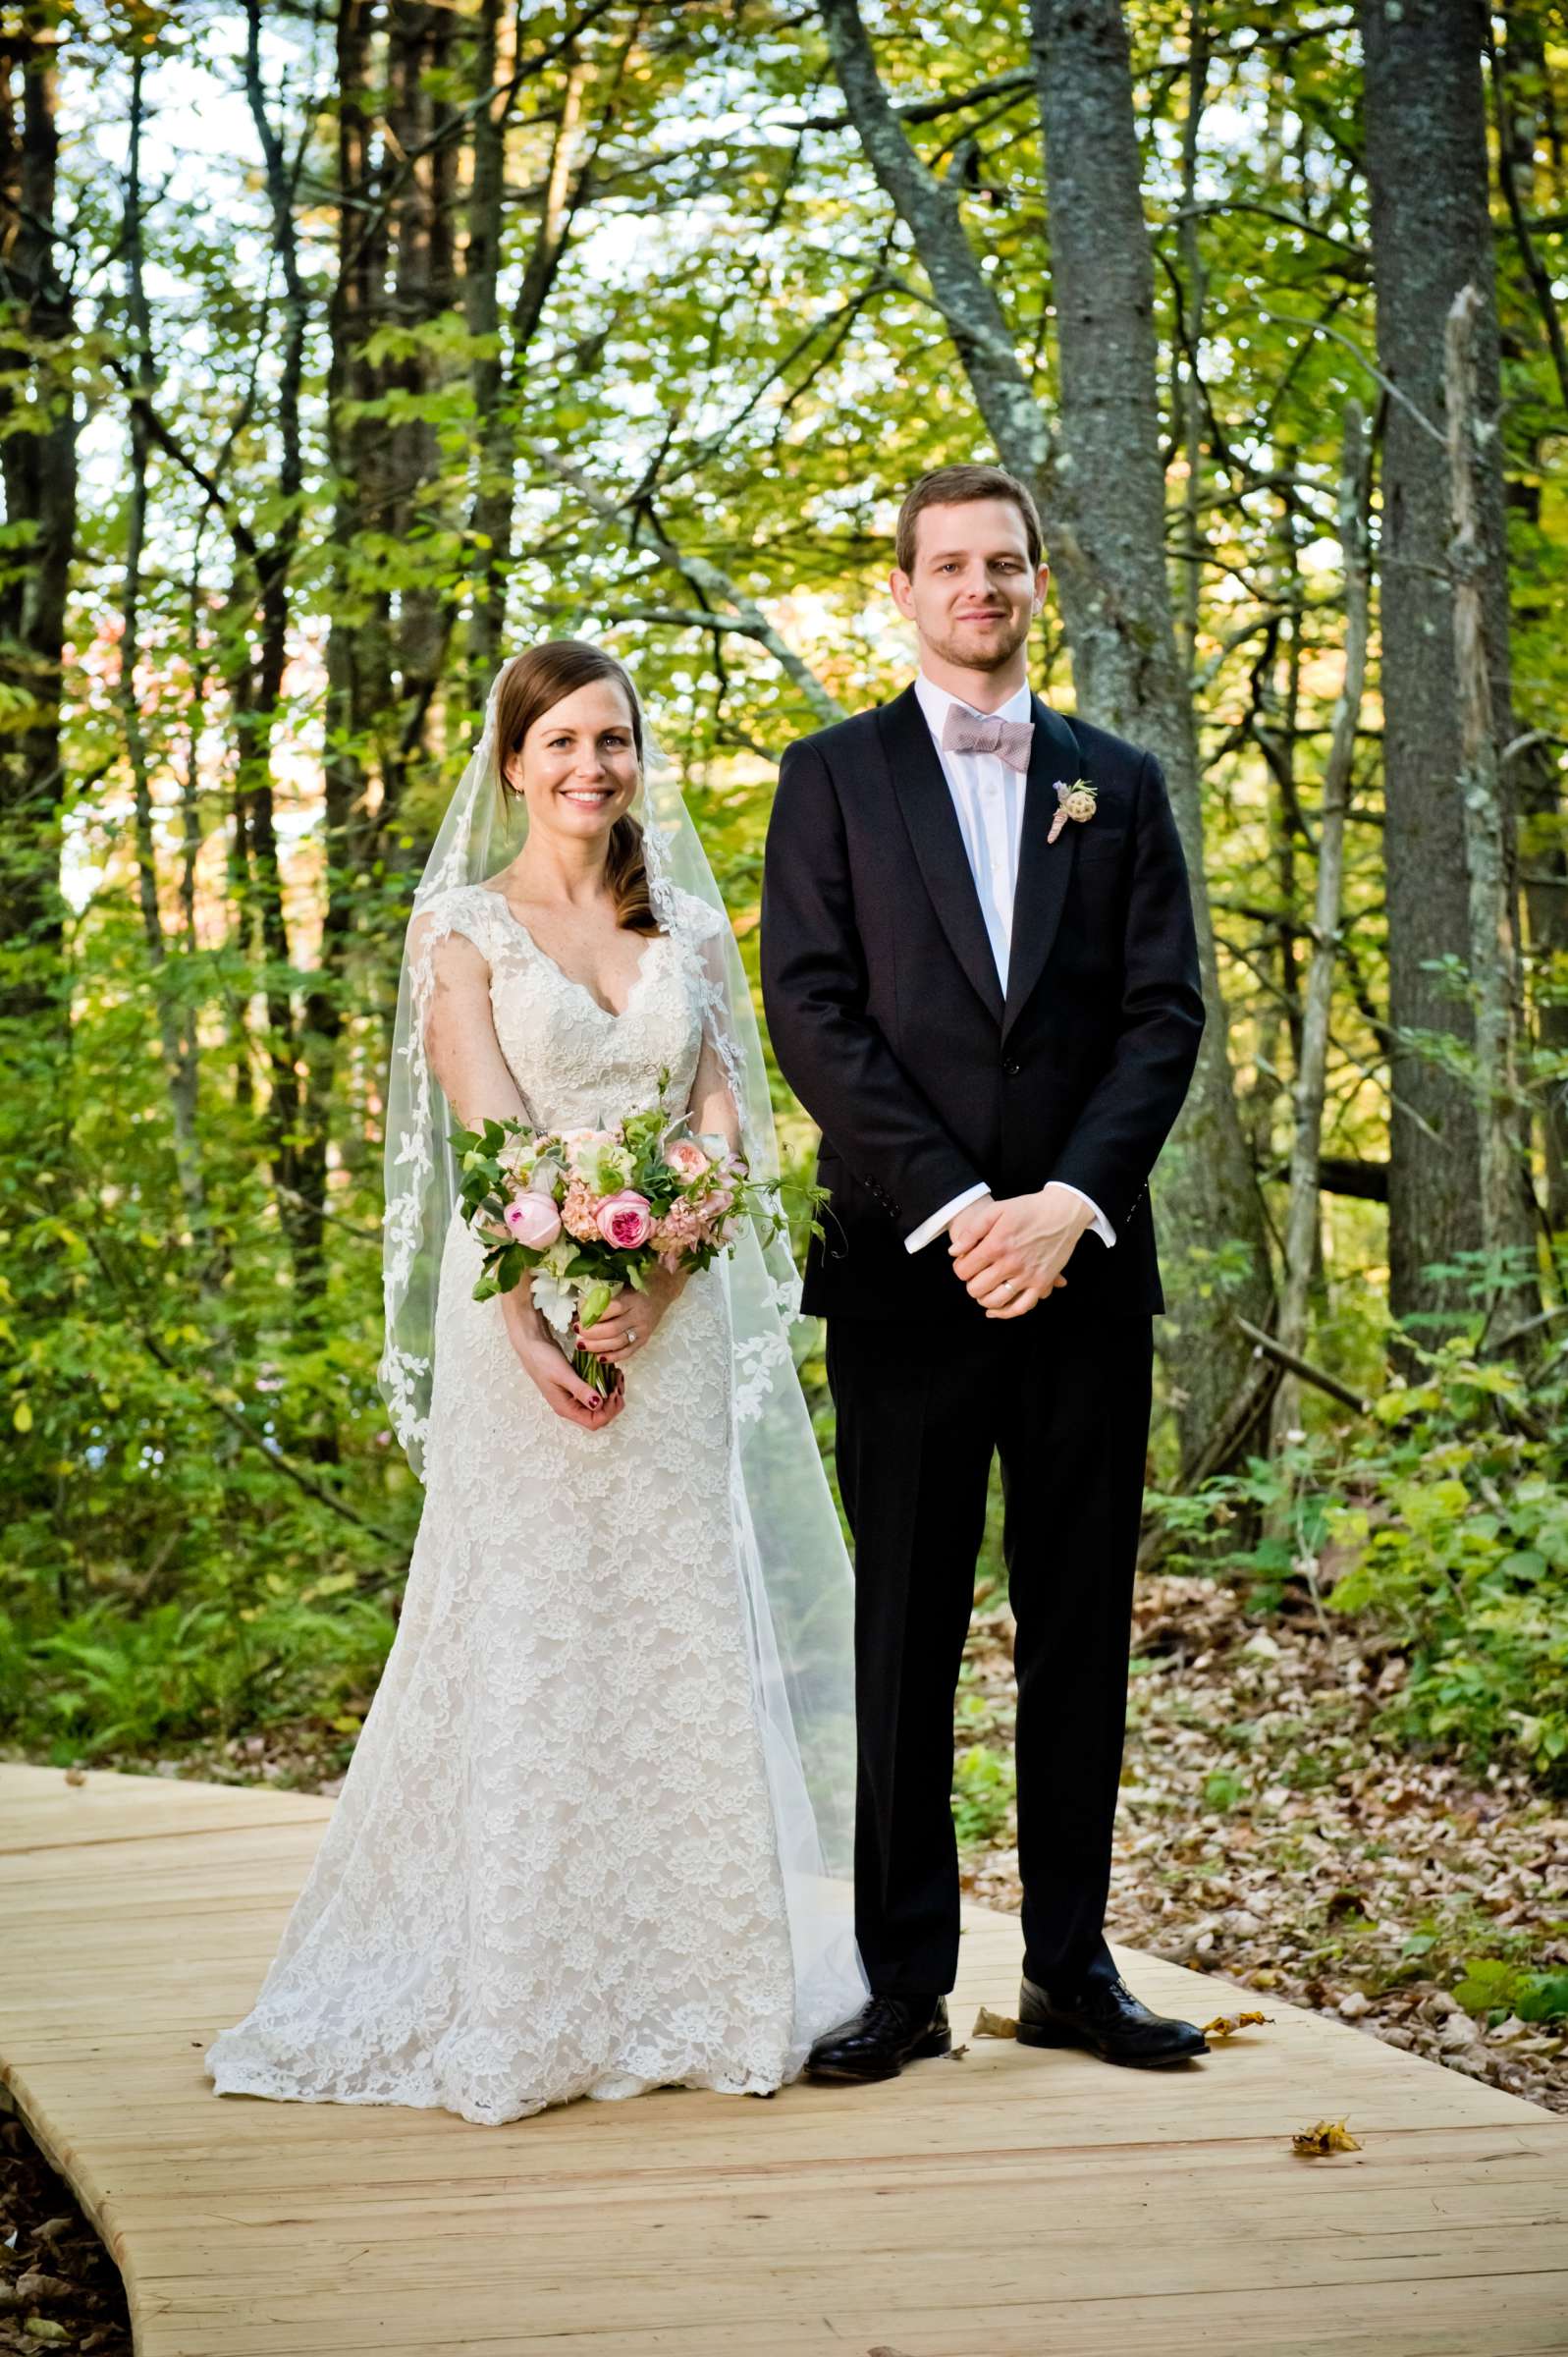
(957, 2054)
(1225, 2025)
(1328, 2136)
(994, 2025)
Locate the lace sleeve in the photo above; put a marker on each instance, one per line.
(449, 954)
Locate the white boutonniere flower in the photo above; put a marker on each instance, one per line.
(1073, 800)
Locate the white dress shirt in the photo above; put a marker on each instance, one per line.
(988, 796)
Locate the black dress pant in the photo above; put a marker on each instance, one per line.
(921, 1408)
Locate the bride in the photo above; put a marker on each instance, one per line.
(596, 1833)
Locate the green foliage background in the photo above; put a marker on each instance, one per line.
(206, 1521)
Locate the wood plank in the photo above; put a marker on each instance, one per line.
(40, 1809)
(1009, 2203)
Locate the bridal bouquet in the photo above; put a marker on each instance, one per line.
(587, 1211)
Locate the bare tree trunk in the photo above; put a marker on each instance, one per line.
(421, 42)
(360, 692)
(176, 1039)
(1431, 234)
(490, 519)
(38, 465)
(497, 396)
(273, 570)
(1122, 633)
(1521, 97)
(1507, 1199)
(356, 647)
(1102, 499)
(1193, 297)
(1302, 1227)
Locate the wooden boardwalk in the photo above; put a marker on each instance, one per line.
(1009, 2204)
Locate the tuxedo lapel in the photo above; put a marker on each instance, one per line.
(922, 794)
(1043, 866)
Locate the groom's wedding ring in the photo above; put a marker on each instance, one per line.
(632, 1334)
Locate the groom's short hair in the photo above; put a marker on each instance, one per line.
(951, 487)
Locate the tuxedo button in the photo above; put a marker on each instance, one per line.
(1011, 1068)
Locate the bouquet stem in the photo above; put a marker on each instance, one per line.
(599, 1374)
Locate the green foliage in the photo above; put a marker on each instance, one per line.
(1442, 1522)
(1497, 1988)
(984, 1791)
(736, 356)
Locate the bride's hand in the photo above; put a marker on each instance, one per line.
(563, 1387)
(632, 1318)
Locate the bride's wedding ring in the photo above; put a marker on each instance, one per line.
(632, 1334)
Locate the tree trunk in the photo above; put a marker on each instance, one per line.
(1532, 184)
(1431, 234)
(1107, 543)
(175, 1040)
(1121, 629)
(498, 390)
(1302, 1222)
(1507, 1199)
(39, 470)
(421, 43)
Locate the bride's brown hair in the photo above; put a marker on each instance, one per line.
(530, 683)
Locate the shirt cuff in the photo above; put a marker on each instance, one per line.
(1099, 1226)
(937, 1220)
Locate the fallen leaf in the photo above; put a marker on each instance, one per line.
(957, 2054)
(1225, 2025)
(994, 2025)
(34, 2285)
(44, 2328)
(1328, 2136)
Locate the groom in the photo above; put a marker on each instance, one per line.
(981, 978)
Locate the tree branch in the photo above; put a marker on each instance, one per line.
(706, 579)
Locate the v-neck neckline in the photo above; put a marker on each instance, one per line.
(612, 1015)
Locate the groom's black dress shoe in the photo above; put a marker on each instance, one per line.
(885, 2035)
(1106, 2017)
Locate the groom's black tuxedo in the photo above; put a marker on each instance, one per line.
(889, 1021)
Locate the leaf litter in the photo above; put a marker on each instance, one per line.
(1268, 1833)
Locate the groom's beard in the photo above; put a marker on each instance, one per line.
(969, 649)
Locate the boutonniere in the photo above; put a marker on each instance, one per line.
(1072, 801)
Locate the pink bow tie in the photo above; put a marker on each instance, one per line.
(981, 733)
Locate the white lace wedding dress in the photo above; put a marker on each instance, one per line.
(552, 1870)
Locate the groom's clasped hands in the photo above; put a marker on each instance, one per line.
(1011, 1254)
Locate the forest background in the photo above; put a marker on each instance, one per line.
(347, 347)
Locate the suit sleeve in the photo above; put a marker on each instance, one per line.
(814, 989)
(1128, 1113)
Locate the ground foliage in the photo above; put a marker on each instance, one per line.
(1274, 1829)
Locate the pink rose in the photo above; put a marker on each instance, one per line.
(534, 1220)
(624, 1221)
(686, 1158)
